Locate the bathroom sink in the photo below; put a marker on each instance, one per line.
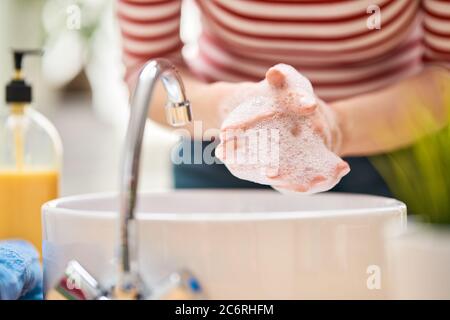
(239, 244)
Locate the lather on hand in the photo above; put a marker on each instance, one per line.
(307, 135)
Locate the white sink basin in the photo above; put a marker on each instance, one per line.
(240, 244)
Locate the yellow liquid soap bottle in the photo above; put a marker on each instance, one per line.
(30, 161)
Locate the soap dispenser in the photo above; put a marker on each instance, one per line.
(30, 160)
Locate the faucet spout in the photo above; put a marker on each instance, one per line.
(178, 113)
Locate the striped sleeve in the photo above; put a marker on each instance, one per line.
(328, 41)
(437, 31)
(150, 29)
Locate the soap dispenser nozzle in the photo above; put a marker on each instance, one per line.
(17, 90)
(18, 59)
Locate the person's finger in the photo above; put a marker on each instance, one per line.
(342, 168)
(275, 78)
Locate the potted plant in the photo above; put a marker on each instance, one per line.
(419, 257)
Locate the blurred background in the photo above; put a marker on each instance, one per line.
(78, 84)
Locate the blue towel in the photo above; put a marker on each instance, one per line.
(20, 271)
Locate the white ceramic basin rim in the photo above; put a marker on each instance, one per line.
(211, 205)
(241, 244)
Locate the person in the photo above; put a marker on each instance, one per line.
(377, 64)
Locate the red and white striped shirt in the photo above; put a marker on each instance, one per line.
(328, 41)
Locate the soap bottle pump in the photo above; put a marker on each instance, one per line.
(30, 160)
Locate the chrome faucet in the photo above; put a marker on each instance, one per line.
(128, 284)
(178, 114)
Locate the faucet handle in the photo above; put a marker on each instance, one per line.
(76, 284)
(180, 285)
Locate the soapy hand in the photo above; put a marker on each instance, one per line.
(277, 132)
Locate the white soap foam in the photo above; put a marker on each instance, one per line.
(270, 138)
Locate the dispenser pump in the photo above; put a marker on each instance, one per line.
(17, 90)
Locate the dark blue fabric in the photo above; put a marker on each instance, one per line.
(363, 178)
(206, 175)
(20, 271)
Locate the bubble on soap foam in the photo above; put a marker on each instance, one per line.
(247, 109)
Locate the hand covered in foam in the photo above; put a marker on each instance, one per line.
(280, 134)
